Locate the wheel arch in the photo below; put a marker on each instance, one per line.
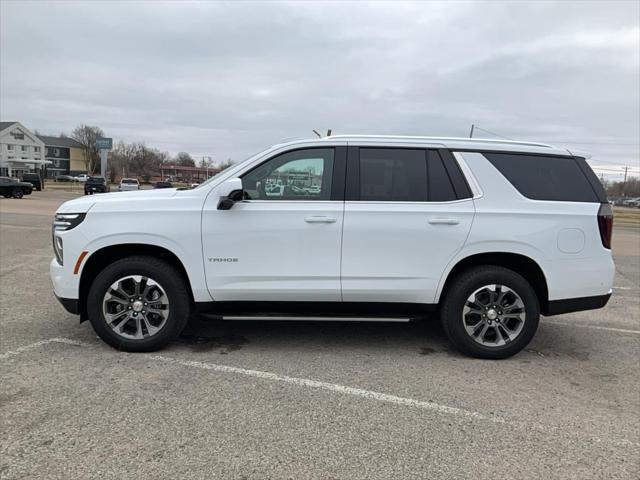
(99, 259)
(521, 264)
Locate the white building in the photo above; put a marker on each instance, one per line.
(21, 151)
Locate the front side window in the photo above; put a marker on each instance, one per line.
(297, 175)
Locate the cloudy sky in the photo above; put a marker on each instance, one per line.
(227, 79)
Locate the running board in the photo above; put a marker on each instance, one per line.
(315, 319)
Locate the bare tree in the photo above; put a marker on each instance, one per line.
(184, 160)
(145, 162)
(226, 164)
(120, 160)
(87, 135)
(206, 162)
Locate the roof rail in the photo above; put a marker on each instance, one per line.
(442, 139)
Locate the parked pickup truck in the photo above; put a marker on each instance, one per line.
(34, 179)
(95, 185)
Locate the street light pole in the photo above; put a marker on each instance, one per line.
(624, 182)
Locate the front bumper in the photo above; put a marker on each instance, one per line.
(71, 305)
(65, 284)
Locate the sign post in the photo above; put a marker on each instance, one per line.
(104, 145)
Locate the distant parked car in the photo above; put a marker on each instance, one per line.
(128, 184)
(194, 185)
(64, 178)
(11, 187)
(96, 185)
(631, 202)
(163, 185)
(83, 177)
(34, 179)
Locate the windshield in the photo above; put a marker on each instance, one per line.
(129, 180)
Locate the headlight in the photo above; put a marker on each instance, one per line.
(67, 221)
(62, 223)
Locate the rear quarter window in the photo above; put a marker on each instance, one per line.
(547, 177)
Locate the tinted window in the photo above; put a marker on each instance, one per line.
(544, 177)
(440, 188)
(393, 175)
(298, 175)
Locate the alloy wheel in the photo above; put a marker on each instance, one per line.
(135, 307)
(494, 315)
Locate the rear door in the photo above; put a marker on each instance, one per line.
(407, 213)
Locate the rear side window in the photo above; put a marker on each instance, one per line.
(440, 188)
(393, 175)
(545, 177)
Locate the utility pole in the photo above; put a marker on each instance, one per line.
(471, 133)
(624, 182)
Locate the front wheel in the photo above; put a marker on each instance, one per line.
(490, 312)
(18, 193)
(138, 304)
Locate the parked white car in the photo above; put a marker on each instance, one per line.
(81, 178)
(631, 202)
(129, 184)
(486, 234)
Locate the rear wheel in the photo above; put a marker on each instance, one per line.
(138, 304)
(17, 193)
(490, 312)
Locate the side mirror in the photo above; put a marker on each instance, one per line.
(230, 192)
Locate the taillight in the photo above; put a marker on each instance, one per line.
(605, 224)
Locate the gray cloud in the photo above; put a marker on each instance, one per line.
(226, 79)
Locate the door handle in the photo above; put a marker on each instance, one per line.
(443, 221)
(319, 219)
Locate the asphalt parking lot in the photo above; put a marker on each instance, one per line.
(308, 400)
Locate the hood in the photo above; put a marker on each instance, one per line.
(84, 204)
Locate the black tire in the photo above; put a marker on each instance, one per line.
(463, 286)
(174, 285)
(17, 193)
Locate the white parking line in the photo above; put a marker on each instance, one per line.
(386, 398)
(358, 392)
(334, 387)
(594, 327)
(31, 346)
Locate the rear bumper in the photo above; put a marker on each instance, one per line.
(71, 305)
(567, 305)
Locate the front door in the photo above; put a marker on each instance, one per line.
(283, 242)
(407, 213)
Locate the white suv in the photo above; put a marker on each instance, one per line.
(487, 234)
